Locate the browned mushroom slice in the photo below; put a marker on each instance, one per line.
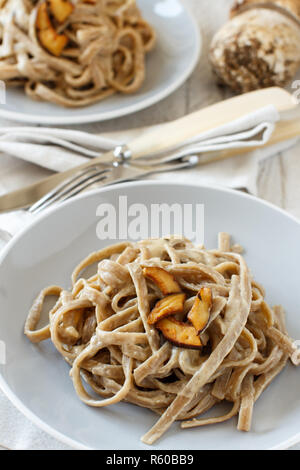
(167, 306)
(42, 18)
(61, 9)
(200, 311)
(179, 333)
(53, 42)
(165, 281)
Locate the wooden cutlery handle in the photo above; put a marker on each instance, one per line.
(171, 134)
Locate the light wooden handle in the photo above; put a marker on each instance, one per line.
(176, 132)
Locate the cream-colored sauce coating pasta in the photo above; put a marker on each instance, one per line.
(100, 327)
(105, 53)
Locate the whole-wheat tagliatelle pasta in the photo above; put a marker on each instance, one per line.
(168, 326)
(73, 52)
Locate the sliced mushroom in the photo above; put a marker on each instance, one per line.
(167, 306)
(179, 333)
(200, 311)
(50, 40)
(42, 19)
(165, 281)
(61, 9)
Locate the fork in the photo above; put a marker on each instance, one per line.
(104, 175)
(101, 175)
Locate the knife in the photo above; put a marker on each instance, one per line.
(162, 138)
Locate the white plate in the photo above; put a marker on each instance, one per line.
(36, 378)
(168, 66)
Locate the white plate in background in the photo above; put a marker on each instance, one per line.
(167, 67)
(36, 378)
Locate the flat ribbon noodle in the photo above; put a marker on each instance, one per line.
(100, 327)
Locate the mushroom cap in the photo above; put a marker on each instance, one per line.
(255, 49)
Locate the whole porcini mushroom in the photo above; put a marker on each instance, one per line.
(260, 46)
(200, 311)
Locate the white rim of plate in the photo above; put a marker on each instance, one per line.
(5, 387)
(130, 109)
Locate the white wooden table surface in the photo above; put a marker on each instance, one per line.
(279, 176)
